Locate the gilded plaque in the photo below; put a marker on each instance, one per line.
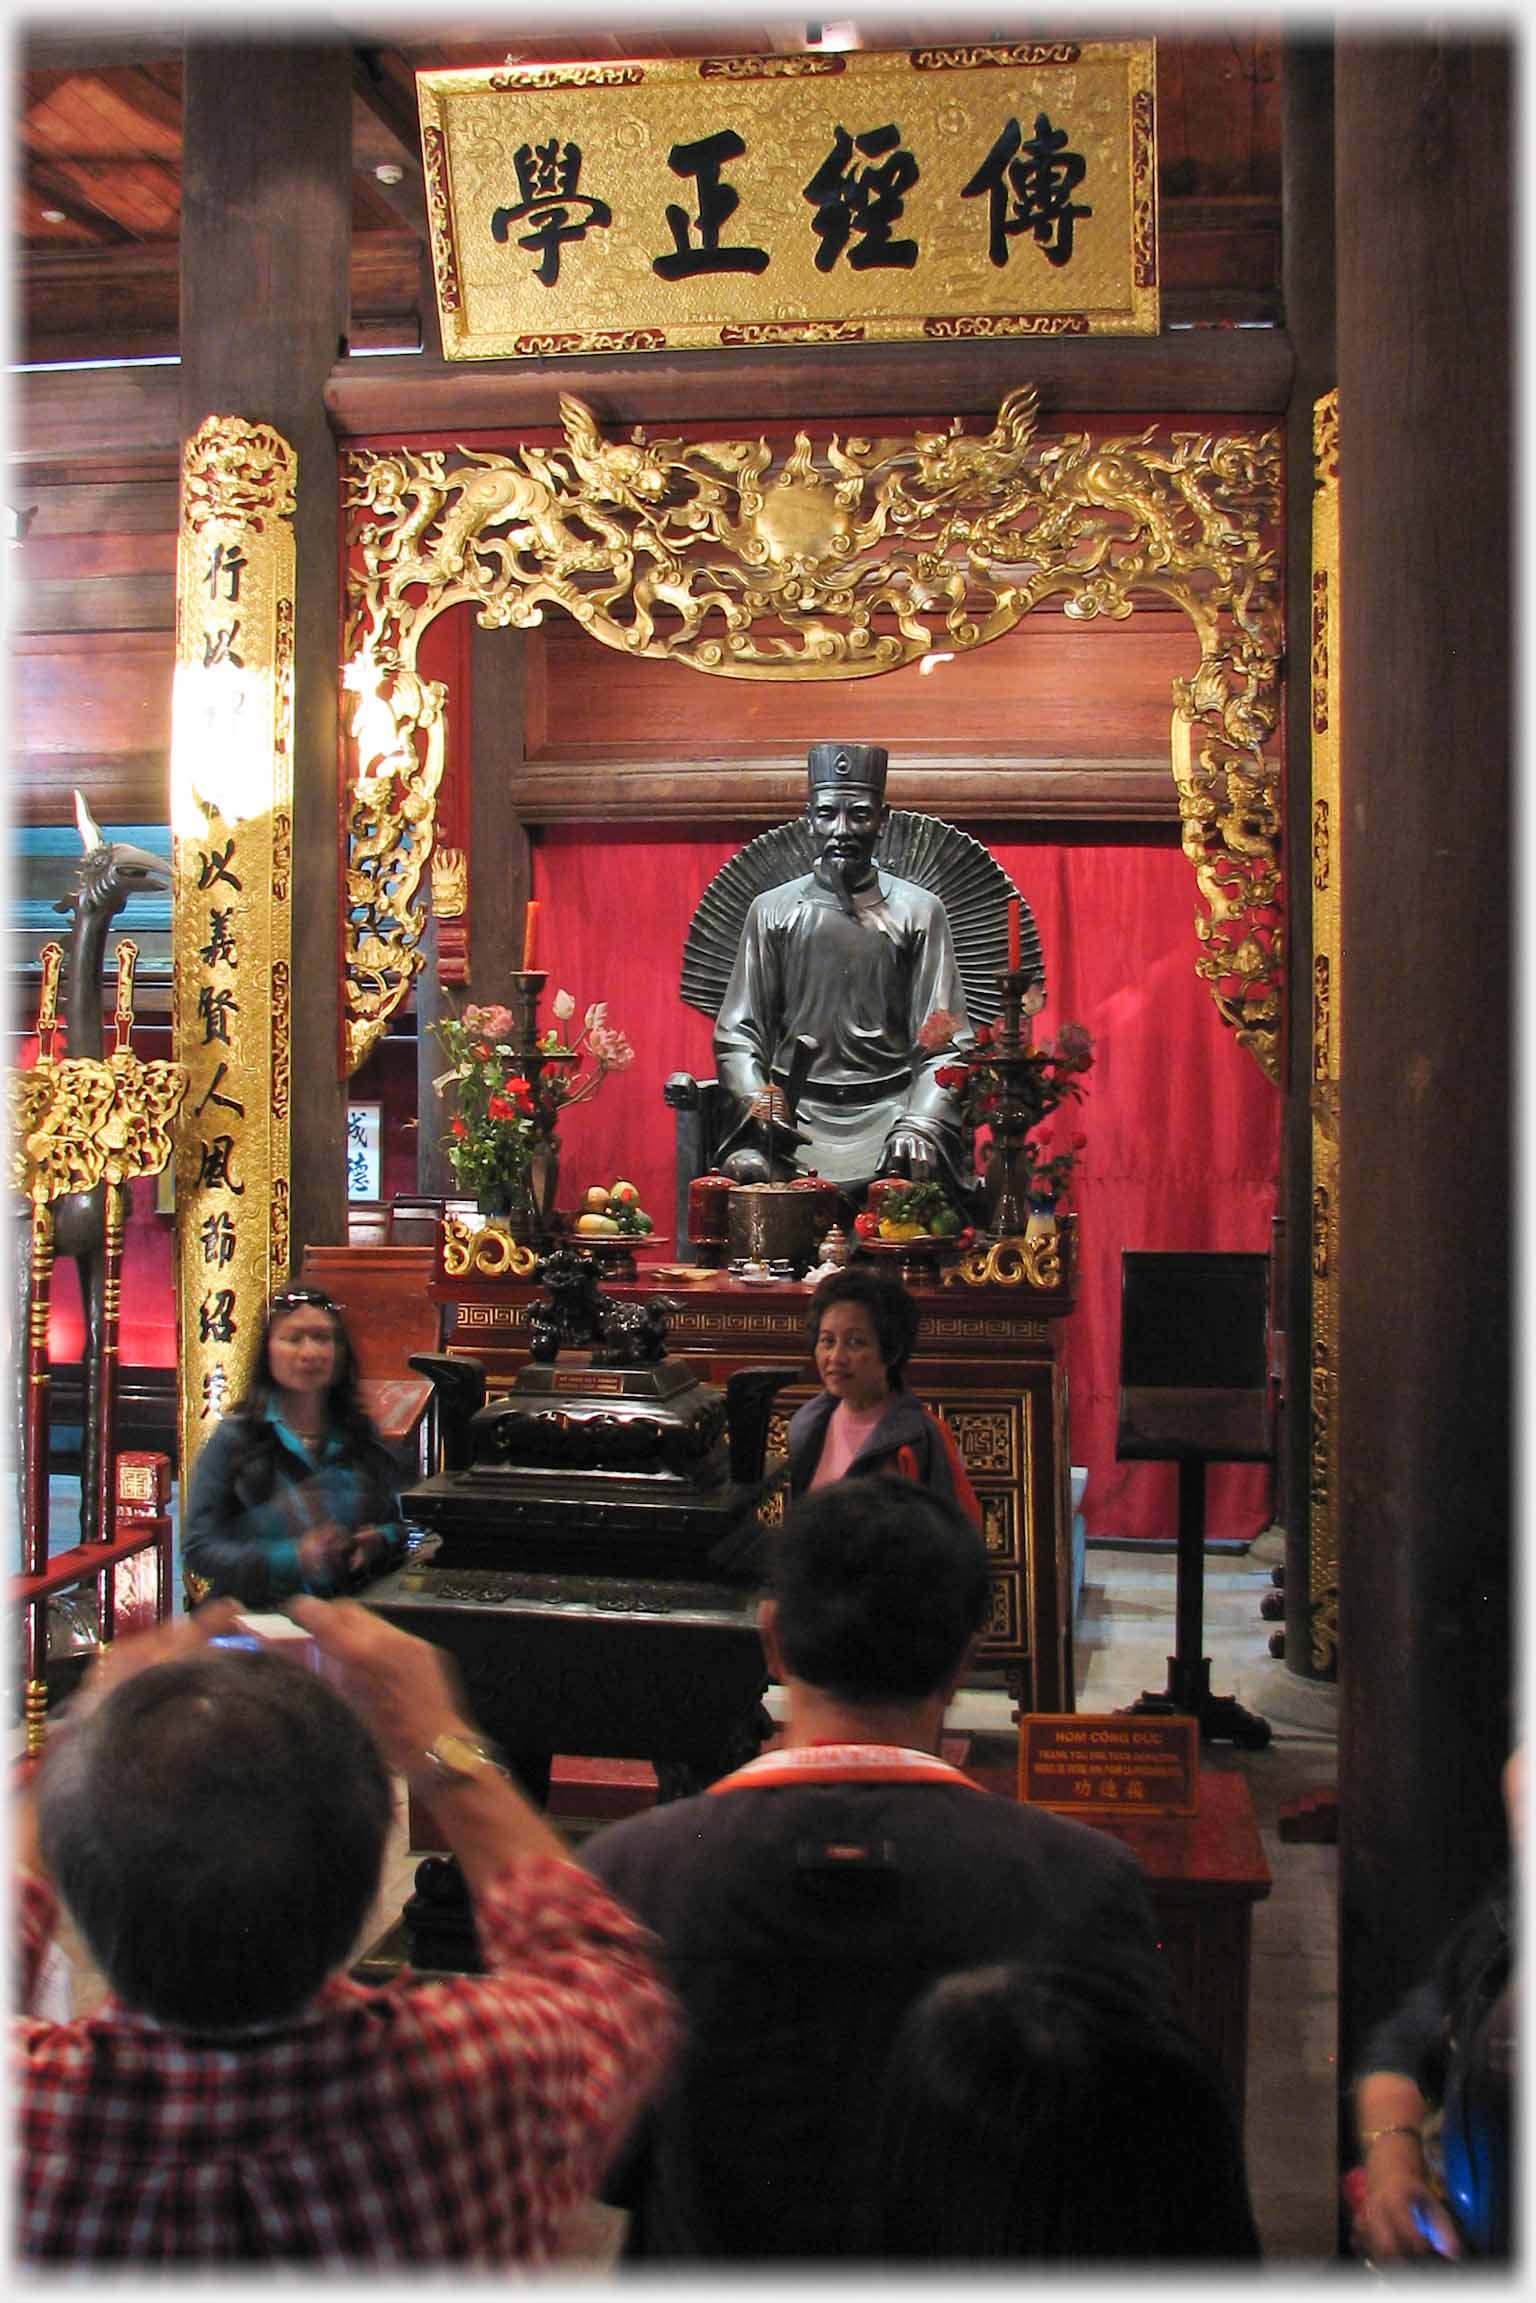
(923, 194)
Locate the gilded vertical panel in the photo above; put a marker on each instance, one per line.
(232, 861)
(1327, 1048)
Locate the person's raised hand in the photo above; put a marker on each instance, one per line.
(402, 1687)
(135, 1651)
(369, 1546)
(324, 1552)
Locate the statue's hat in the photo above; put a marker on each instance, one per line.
(862, 764)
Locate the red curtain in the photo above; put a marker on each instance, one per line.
(1182, 1127)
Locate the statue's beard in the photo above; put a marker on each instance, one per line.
(843, 879)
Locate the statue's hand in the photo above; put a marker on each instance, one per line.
(768, 1104)
(908, 1154)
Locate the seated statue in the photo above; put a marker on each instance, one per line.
(858, 962)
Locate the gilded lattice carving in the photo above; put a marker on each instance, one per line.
(1322, 843)
(1002, 1618)
(985, 1438)
(237, 471)
(1013, 1262)
(828, 562)
(1323, 1501)
(997, 1526)
(486, 1252)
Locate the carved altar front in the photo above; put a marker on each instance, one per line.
(988, 1361)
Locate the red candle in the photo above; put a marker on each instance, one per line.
(1013, 933)
(530, 922)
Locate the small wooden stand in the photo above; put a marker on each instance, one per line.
(1194, 1390)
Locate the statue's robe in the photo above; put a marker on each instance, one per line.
(862, 988)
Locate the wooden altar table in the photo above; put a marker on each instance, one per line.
(988, 1361)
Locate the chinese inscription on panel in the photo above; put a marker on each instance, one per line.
(231, 822)
(941, 191)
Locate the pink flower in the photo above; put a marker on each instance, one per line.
(610, 1046)
(562, 1006)
(495, 1022)
(1073, 1048)
(936, 1031)
(596, 1016)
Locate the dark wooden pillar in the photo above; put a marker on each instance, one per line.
(500, 871)
(500, 866)
(1424, 189)
(266, 222)
(1307, 233)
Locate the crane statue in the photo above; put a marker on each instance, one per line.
(110, 872)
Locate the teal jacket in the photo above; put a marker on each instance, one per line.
(257, 1489)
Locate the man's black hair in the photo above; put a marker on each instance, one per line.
(880, 1586)
(216, 1827)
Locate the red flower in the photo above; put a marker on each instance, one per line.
(501, 1108)
(518, 1086)
(481, 1051)
(983, 1035)
(458, 1128)
(867, 1225)
(952, 1075)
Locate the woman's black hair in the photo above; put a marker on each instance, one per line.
(893, 1315)
(1047, 2113)
(344, 1410)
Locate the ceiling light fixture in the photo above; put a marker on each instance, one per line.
(54, 216)
(390, 172)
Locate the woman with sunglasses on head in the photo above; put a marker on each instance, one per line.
(294, 1491)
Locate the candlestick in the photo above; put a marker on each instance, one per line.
(1013, 932)
(530, 922)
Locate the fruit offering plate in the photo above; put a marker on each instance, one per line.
(924, 1247)
(610, 1246)
(678, 1274)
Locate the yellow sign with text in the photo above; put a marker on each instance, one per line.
(922, 195)
(1106, 1764)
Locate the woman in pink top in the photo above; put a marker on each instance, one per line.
(862, 1326)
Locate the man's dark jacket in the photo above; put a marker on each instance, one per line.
(794, 1965)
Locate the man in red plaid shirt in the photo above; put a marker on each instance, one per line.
(215, 1822)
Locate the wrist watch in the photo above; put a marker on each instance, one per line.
(458, 1757)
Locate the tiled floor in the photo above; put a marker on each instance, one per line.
(1124, 1635)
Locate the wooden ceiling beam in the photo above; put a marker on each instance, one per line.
(83, 48)
(1218, 371)
(56, 190)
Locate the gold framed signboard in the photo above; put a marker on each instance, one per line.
(924, 194)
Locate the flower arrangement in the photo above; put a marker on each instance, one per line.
(490, 1137)
(1031, 1084)
(507, 1106)
(599, 1043)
